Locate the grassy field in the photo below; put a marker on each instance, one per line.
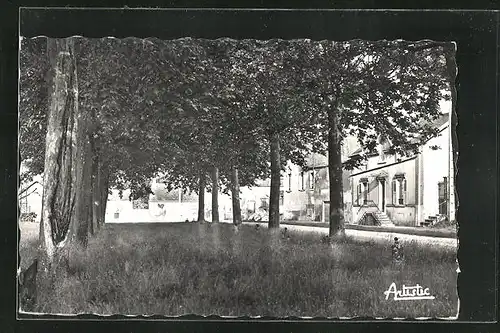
(188, 268)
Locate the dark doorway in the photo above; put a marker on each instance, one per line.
(382, 184)
(381, 194)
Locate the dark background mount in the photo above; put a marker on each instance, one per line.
(476, 35)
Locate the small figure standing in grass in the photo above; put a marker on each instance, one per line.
(285, 234)
(257, 226)
(397, 251)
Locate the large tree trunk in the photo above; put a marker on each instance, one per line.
(64, 166)
(201, 198)
(215, 195)
(336, 212)
(61, 154)
(274, 200)
(235, 196)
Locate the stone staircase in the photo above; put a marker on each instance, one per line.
(430, 220)
(380, 218)
(383, 219)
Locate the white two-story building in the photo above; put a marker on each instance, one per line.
(406, 191)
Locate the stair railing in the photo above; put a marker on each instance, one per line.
(371, 204)
(445, 204)
(365, 205)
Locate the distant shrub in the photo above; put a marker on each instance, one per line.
(28, 217)
(162, 194)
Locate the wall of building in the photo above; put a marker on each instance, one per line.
(399, 214)
(377, 161)
(435, 158)
(122, 211)
(307, 203)
(171, 210)
(402, 215)
(302, 198)
(301, 201)
(252, 199)
(453, 196)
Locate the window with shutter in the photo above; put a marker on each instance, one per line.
(311, 180)
(394, 194)
(365, 193)
(353, 195)
(358, 197)
(402, 191)
(302, 181)
(290, 182)
(403, 195)
(264, 203)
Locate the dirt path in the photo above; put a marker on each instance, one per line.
(379, 236)
(30, 231)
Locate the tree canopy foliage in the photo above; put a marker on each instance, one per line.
(182, 107)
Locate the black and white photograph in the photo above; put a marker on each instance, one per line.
(279, 177)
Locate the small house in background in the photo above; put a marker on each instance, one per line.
(254, 202)
(306, 191)
(160, 206)
(30, 199)
(406, 191)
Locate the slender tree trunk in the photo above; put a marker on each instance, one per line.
(451, 68)
(274, 200)
(96, 190)
(104, 191)
(18, 202)
(63, 163)
(235, 196)
(92, 225)
(215, 195)
(82, 217)
(201, 198)
(335, 174)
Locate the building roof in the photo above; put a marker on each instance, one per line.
(315, 160)
(263, 182)
(357, 151)
(440, 121)
(437, 123)
(382, 166)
